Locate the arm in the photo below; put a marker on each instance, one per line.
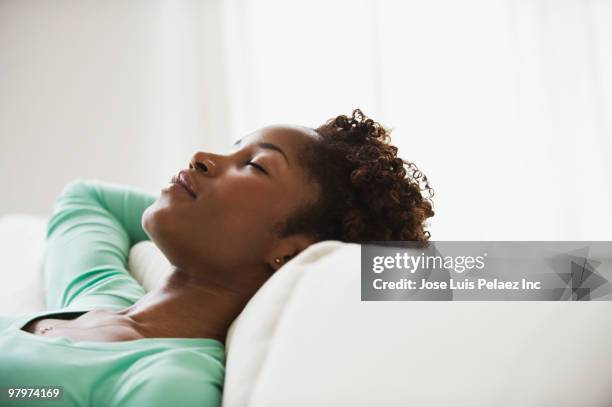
(92, 228)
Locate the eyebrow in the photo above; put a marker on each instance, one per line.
(268, 146)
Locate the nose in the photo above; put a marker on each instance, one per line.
(203, 162)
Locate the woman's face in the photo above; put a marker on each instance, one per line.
(230, 225)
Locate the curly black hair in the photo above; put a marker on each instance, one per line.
(367, 193)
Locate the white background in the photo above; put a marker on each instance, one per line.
(505, 105)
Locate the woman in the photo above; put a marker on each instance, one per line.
(226, 225)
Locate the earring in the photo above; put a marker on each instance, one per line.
(277, 260)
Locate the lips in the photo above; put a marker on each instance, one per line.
(183, 180)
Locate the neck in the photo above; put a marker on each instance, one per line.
(187, 306)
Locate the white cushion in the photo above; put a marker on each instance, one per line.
(252, 336)
(22, 245)
(307, 339)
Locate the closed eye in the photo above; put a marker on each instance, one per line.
(259, 167)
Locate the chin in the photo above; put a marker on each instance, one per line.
(161, 225)
(158, 222)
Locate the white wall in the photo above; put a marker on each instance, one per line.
(114, 90)
(506, 105)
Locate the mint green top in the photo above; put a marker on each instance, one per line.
(93, 226)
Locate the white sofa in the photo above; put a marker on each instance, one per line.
(306, 339)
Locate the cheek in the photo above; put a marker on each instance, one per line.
(244, 215)
(247, 200)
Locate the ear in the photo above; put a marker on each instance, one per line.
(287, 248)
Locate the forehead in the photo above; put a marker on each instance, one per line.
(286, 136)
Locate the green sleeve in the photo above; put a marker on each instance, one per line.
(92, 228)
(182, 378)
(174, 390)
